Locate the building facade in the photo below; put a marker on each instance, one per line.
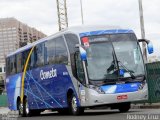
(13, 35)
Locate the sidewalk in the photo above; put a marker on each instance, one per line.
(4, 110)
(146, 106)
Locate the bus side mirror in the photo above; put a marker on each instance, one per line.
(149, 45)
(150, 48)
(83, 52)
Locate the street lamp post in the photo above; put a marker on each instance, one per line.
(142, 30)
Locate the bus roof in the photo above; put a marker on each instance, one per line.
(78, 30)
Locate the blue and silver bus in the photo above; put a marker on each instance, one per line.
(77, 68)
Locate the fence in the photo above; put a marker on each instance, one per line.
(153, 78)
(3, 101)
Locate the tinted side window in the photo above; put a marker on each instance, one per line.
(8, 66)
(39, 55)
(24, 58)
(51, 51)
(32, 60)
(13, 65)
(72, 40)
(61, 51)
(19, 62)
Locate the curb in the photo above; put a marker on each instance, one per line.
(142, 106)
(4, 110)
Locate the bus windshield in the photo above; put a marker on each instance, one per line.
(107, 55)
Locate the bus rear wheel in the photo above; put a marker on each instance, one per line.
(124, 107)
(73, 106)
(27, 112)
(20, 108)
(24, 110)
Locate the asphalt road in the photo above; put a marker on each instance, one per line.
(133, 114)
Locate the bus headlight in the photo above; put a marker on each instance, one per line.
(98, 89)
(141, 86)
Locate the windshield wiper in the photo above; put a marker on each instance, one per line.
(129, 71)
(115, 63)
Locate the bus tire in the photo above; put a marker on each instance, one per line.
(124, 107)
(73, 107)
(20, 108)
(26, 111)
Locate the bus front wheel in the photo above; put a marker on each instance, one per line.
(124, 107)
(74, 108)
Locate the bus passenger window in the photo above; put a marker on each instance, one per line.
(72, 40)
(39, 54)
(8, 66)
(32, 59)
(50, 48)
(19, 62)
(13, 65)
(61, 56)
(25, 56)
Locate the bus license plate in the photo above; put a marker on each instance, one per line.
(122, 97)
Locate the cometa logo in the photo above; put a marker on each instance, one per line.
(48, 74)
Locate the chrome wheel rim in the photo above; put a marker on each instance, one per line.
(20, 109)
(74, 104)
(27, 109)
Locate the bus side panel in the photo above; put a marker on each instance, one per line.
(47, 87)
(13, 85)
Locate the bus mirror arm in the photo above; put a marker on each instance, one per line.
(144, 40)
(149, 45)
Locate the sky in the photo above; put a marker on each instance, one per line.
(42, 14)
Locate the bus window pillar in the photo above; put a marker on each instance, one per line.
(85, 72)
(83, 55)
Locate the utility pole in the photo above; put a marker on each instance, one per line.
(62, 14)
(142, 30)
(82, 12)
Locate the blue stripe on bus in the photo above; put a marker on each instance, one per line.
(41, 94)
(38, 98)
(44, 90)
(121, 88)
(52, 90)
(102, 32)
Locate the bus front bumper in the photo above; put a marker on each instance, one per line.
(93, 98)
